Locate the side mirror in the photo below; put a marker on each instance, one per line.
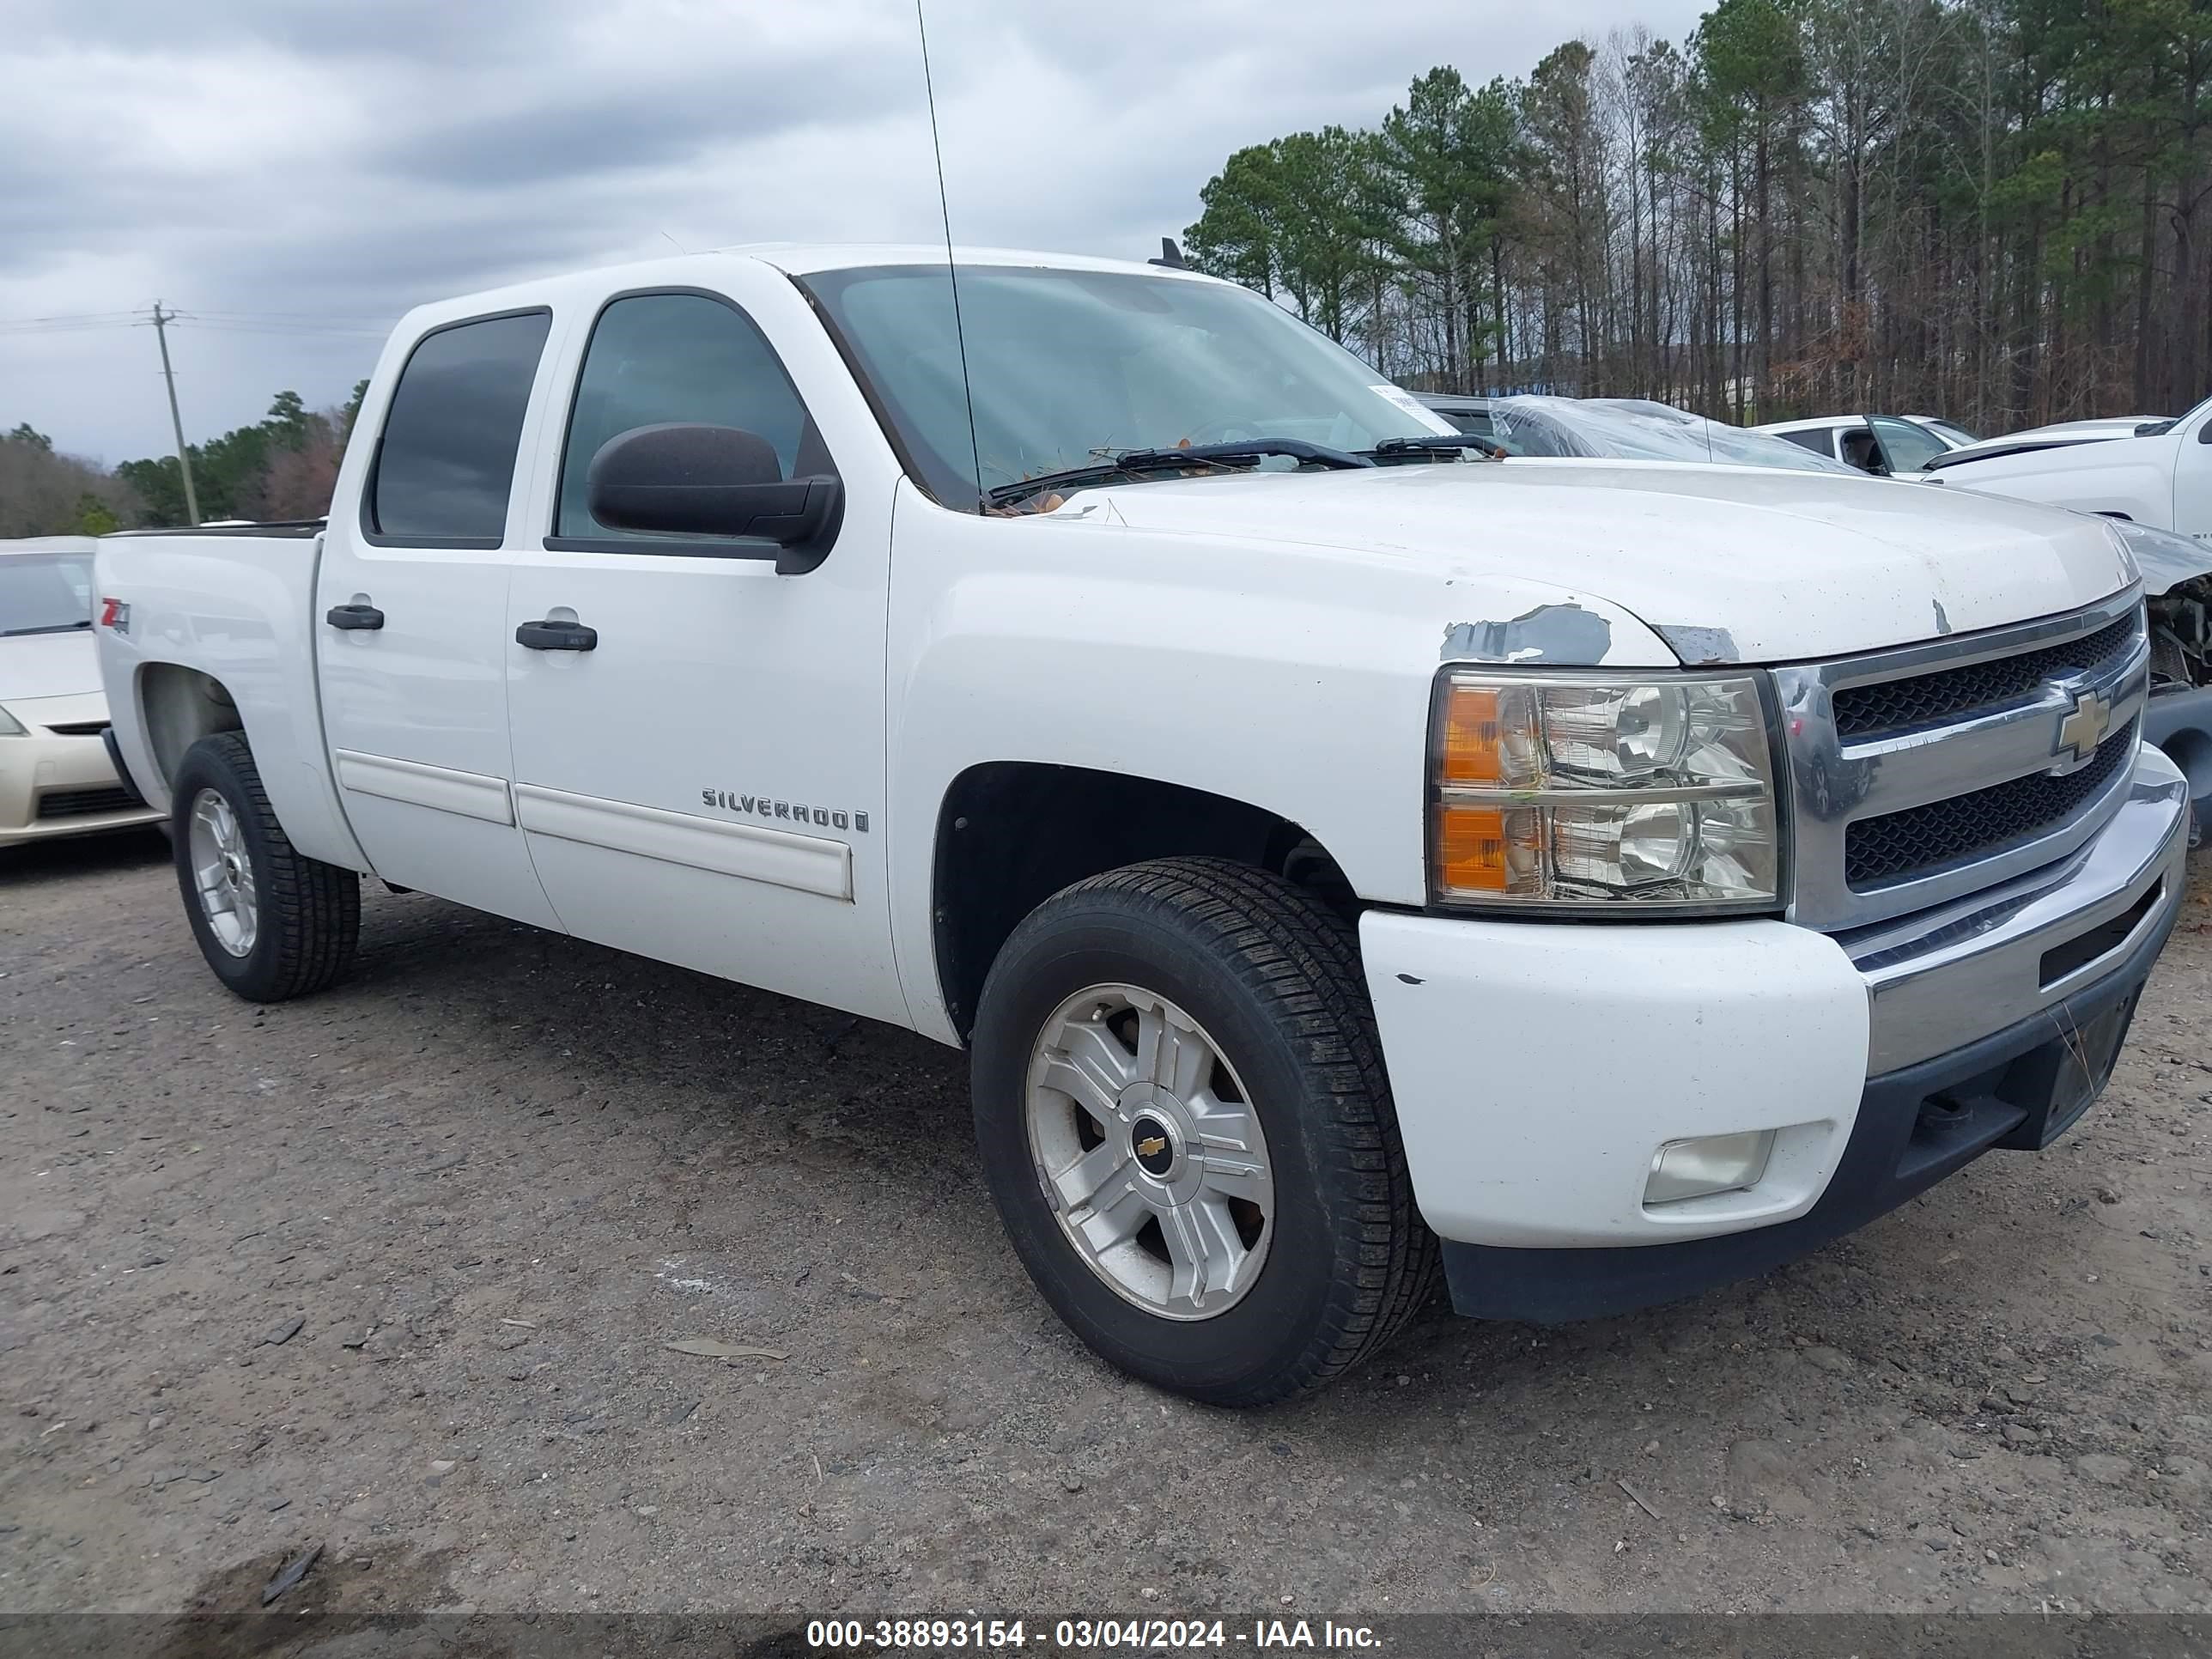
(686, 479)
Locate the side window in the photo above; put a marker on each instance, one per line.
(1815, 440)
(446, 462)
(1856, 447)
(656, 357)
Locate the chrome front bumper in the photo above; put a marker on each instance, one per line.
(1941, 978)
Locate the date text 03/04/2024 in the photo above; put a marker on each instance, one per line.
(1085, 1635)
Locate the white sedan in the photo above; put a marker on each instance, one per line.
(55, 776)
(1895, 446)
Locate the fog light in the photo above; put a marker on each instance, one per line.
(1706, 1165)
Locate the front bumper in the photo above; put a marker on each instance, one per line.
(57, 784)
(1538, 1067)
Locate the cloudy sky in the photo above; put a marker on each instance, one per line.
(292, 174)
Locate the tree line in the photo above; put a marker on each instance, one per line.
(1998, 210)
(282, 466)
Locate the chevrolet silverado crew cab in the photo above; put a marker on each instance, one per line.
(1343, 858)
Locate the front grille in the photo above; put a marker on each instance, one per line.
(84, 803)
(79, 728)
(1898, 845)
(1896, 705)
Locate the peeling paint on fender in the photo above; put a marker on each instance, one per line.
(1698, 645)
(1549, 633)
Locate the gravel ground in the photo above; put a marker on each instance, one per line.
(396, 1270)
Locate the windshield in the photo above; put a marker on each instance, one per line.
(1634, 430)
(1951, 429)
(45, 594)
(1069, 367)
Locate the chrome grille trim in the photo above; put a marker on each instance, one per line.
(1835, 781)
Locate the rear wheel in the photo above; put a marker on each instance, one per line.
(1180, 1108)
(271, 922)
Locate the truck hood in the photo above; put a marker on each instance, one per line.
(1726, 564)
(48, 666)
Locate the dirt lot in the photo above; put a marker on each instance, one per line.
(484, 1184)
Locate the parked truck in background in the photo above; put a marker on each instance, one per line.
(2154, 479)
(2160, 476)
(1341, 859)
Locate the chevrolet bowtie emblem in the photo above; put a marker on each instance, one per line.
(2083, 727)
(1151, 1146)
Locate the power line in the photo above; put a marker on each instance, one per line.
(299, 316)
(66, 325)
(242, 322)
(95, 317)
(221, 325)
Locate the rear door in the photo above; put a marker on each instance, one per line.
(410, 609)
(698, 741)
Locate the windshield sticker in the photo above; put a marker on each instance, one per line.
(1413, 406)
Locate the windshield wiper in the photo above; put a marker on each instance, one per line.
(50, 627)
(1221, 457)
(1440, 441)
(1253, 448)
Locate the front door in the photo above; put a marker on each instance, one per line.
(1904, 446)
(409, 619)
(2192, 479)
(698, 741)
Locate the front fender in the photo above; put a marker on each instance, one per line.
(1296, 679)
(2136, 484)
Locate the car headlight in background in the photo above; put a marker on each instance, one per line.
(1589, 792)
(10, 725)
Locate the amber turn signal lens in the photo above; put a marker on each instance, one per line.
(1473, 743)
(1471, 849)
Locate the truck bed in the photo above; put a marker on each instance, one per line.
(232, 604)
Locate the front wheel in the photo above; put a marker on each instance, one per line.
(1180, 1108)
(272, 922)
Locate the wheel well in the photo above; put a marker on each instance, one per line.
(1011, 833)
(2191, 751)
(179, 707)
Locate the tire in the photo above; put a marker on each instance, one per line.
(305, 914)
(1270, 978)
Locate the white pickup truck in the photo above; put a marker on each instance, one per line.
(1341, 856)
(2160, 473)
(2154, 479)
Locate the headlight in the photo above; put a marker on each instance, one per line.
(1572, 790)
(10, 725)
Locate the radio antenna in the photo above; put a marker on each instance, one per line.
(951, 268)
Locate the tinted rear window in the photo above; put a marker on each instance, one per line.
(446, 463)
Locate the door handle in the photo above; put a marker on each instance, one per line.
(557, 637)
(353, 616)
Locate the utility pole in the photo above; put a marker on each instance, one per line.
(176, 421)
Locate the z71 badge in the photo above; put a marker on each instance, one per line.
(760, 807)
